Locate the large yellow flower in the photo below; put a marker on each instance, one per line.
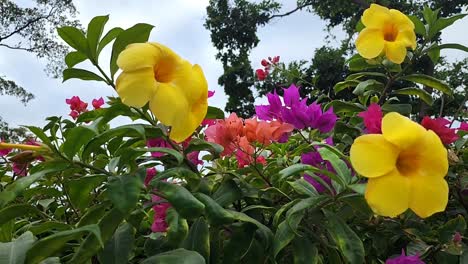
(388, 31)
(406, 166)
(177, 92)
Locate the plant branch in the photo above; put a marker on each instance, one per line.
(290, 12)
(15, 48)
(27, 24)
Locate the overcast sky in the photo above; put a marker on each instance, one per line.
(179, 25)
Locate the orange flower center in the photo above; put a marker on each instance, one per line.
(390, 32)
(407, 163)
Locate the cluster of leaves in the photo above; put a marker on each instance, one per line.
(86, 202)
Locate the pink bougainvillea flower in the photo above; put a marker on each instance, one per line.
(372, 118)
(275, 59)
(76, 104)
(5, 151)
(403, 259)
(261, 74)
(97, 103)
(261, 160)
(209, 122)
(244, 152)
(440, 126)
(211, 93)
(193, 157)
(160, 210)
(74, 114)
(150, 173)
(463, 126)
(157, 143)
(225, 133)
(265, 63)
(20, 169)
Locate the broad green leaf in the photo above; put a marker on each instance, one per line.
(94, 214)
(344, 84)
(359, 26)
(345, 107)
(117, 250)
(368, 85)
(304, 204)
(179, 157)
(137, 34)
(53, 260)
(95, 28)
(74, 58)
(38, 229)
(265, 233)
(349, 244)
(421, 93)
(358, 63)
(79, 190)
(74, 73)
(447, 231)
(236, 248)
(177, 228)
(359, 75)
(214, 212)
(76, 138)
(181, 199)
(419, 27)
(91, 245)
(404, 109)
(18, 186)
(448, 46)
(303, 187)
(15, 252)
(198, 238)
(75, 38)
(177, 256)
(341, 168)
(214, 113)
(434, 55)
(199, 145)
(123, 191)
(41, 135)
(51, 245)
(442, 23)
(430, 15)
(429, 81)
(17, 210)
(286, 232)
(304, 251)
(110, 36)
(227, 193)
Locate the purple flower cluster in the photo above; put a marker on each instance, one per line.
(314, 159)
(403, 259)
(296, 112)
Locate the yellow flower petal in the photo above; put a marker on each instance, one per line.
(401, 131)
(373, 156)
(401, 19)
(137, 56)
(167, 64)
(169, 104)
(136, 87)
(395, 51)
(370, 43)
(431, 156)
(375, 16)
(429, 195)
(408, 37)
(388, 195)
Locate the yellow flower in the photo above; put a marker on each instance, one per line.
(388, 31)
(406, 166)
(177, 92)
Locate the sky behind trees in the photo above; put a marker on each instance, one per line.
(179, 25)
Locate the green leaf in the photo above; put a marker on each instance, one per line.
(108, 224)
(264, 232)
(179, 157)
(48, 227)
(181, 199)
(79, 190)
(73, 73)
(345, 107)
(448, 46)
(344, 84)
(123, 191)
(200, 145)
(434, 55)
(41, 135)
(198, 238)
(447, 231)
(303, 187)
(227, 193)
(15, 252)
(177, 228)
(341, 168)
(75, 38)
(215, 213)
(349, 244)
(304, 251)
(419, 27)
(429, 15)
(110, 36)
(137, 34)
(358, 63)
(17, 210)
(404, 109)
(359, 26)
(239, 243)
(18, 186)
(51, 245)
(74, 58)
(304, 204)
(429, 81)
(421, 93)
(214, 113)
(368, 85)
(94, 214)
(95, 28)
(117, 250)
(359, 75)
(76, 138)
(286, 232)
(177, 256)
(442, 23)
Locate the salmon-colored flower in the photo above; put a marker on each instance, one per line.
(406, 166)
(386, 31)
(176, 90)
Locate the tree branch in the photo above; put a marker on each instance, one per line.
(290, 12)
(29, 23)
(15, 48)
